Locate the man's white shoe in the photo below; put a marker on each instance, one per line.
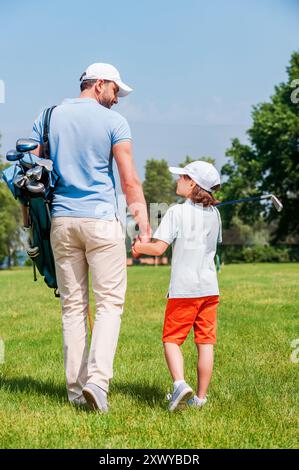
(79, 401)
(96, 397)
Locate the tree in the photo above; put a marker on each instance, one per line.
(270, 162)
(189, 159)
(158, 185)
(159, 190)
(10, 221)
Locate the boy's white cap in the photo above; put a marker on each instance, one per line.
(100, 71)
(203, 173)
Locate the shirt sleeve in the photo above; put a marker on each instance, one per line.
(168, 228)
(219, 238)
(121, 130)
(37, 130)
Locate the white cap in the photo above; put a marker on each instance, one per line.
(203, 173)
(100, 71)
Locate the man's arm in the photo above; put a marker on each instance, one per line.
(131, 186)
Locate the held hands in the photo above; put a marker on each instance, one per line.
(144, 237)
(136, 245)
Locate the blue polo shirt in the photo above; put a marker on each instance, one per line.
(82, 133)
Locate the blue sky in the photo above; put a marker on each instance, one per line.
(196, 67)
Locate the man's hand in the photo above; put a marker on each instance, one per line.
(146, 235)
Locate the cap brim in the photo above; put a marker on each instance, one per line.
(124, 89)
(177, 171)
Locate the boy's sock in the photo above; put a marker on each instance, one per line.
(200, 401)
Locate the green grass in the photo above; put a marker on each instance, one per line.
(253, 397)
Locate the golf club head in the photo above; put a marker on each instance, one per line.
(29, 175)
(35, 173)
(13, 156)
(46, 163)
(20, 181)
(276, 202)
(33, 252)
(35, 187)
(26, 145)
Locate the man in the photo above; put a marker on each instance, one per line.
(85, 135)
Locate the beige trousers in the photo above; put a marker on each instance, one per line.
(79, 245)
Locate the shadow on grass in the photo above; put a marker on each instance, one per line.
(28, 384)
(141, 392)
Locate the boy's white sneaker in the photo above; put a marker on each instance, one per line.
(198, 402)
(178, 399)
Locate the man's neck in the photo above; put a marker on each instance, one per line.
(87, 94)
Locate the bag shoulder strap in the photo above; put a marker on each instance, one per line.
(46, 146)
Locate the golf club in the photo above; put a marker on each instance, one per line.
(275, 201)
(20, 181)
(33, 252)
(48, 164)
(13, 156)
(26, 145)
(35, 173)
(35, 187)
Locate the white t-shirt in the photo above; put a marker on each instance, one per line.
(195, 231)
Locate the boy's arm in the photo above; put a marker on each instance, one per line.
(156, 248)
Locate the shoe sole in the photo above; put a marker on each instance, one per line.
(181, 400)
(92, 401)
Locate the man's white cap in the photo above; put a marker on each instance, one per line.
(203, 173)
(100, 71)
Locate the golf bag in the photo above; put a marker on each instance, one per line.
(38, 204)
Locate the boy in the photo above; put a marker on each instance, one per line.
(193, 295)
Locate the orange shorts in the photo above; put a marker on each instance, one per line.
(181, 314)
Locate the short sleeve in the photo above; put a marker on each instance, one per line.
(219, 238)
(168, 228)
(121, 130)
(37, 130)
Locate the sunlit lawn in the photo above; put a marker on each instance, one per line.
(253, 398)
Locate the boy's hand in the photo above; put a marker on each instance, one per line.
(135, 245)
